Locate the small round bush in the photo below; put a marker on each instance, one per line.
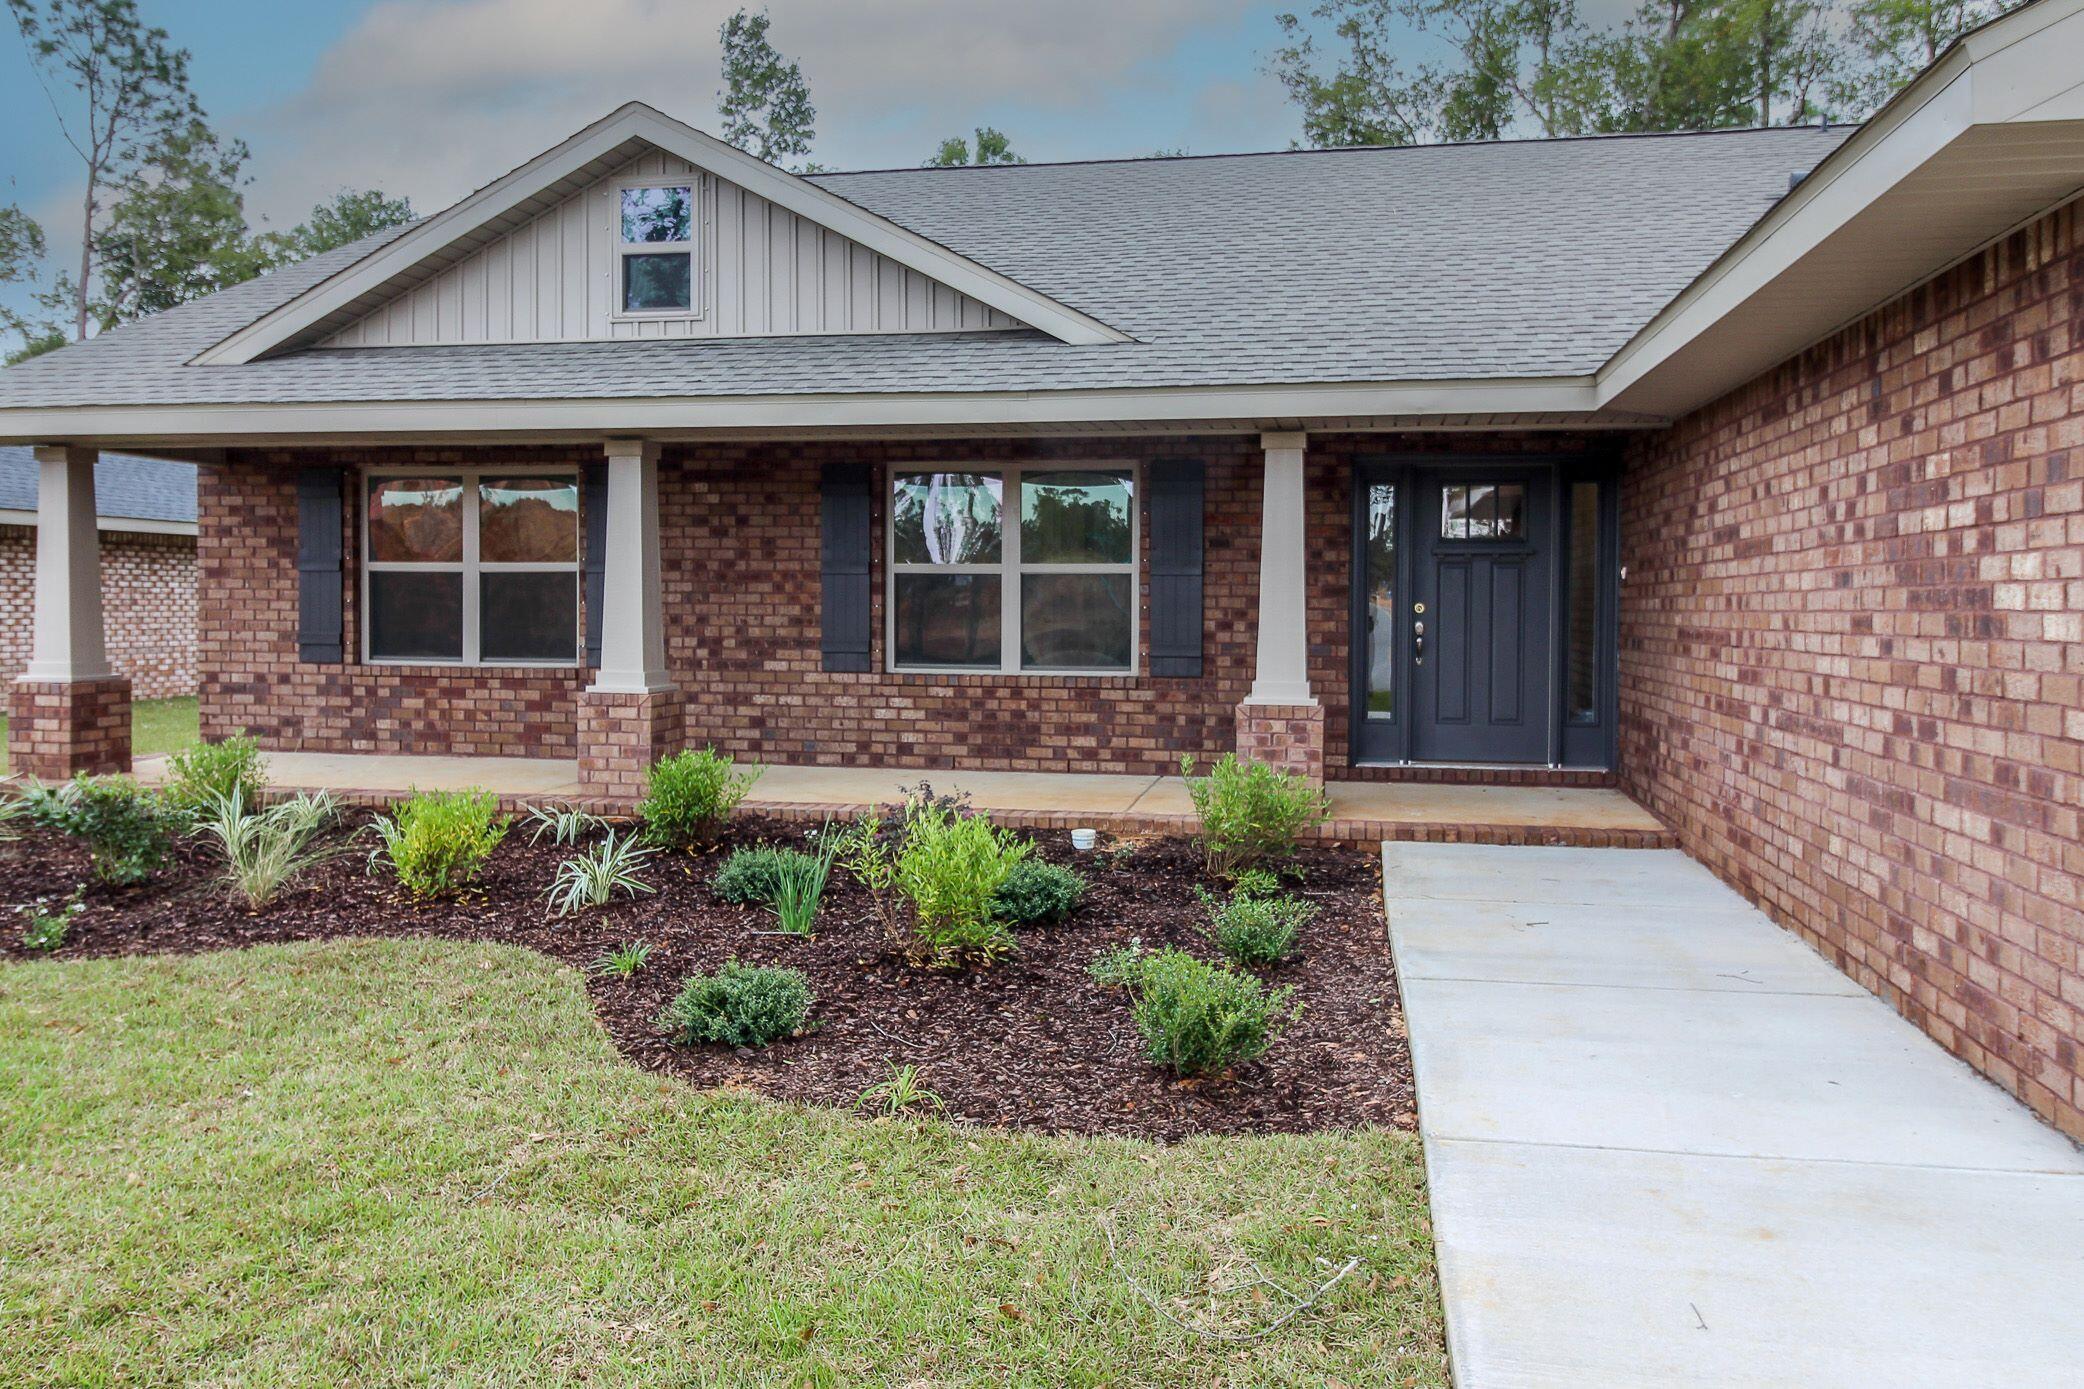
(690, 795)
(754, 876)
(740, 1005)
(1257, 930)
(203, 774)
(1198, 1019)
(1037, 894)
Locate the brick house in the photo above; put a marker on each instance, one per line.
(1744, 470)
(146, 517)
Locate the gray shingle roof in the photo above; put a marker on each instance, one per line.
(126, 486)
(1514, 259)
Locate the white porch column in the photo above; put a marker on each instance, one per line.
(1282, 675)
(633, 629)
(69, 642)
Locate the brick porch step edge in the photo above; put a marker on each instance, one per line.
(1350, 833)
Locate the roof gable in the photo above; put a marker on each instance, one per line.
(500, 208)
(759, 270)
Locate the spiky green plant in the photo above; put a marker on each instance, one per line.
(264, 849)
(592, 877)
(623, 961)
(901, 1092)
(561, 824)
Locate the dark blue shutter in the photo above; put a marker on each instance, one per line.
(843, 570)
(319, 616)
(593, 501)
(1175, 486)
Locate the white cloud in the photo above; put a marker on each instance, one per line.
(434, 97)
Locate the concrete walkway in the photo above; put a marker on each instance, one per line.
(1669, 1145)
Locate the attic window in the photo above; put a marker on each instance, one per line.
(657, 250)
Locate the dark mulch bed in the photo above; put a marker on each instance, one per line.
(1027, 1043)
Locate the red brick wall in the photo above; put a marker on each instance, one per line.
(251, 678)
(1852, 660)
(740, 531)
(148, 607)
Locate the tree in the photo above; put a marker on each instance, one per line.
(1512, 63)
(133, 85)
(179, 229)
(992, 148)
(36, 343)
(21, 257)
(1514, 67)
(350, 216)
(764, 104)
(1898, 39)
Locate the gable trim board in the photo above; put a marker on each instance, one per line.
(449, 236)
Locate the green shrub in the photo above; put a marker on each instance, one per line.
(50, 807)
(127, 829)
(1256, 882)
(439, 841)
(1198, 1019)
(592, 877)
(1251, 814)
(1036, 893)
(934, 877)
(1256, 930)
(951, 869)
(264, 849)
(46, 929)
(202, 775)
(1118, 966)
(740, 1005)
(690, 795)
(753, 877)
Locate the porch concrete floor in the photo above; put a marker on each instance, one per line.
(1668, 1144)
(1391, 805)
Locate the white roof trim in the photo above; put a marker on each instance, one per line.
(666, 416)
(129, 525)
(637, 121)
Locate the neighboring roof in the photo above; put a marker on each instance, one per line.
(1513, 259)
(126, 487)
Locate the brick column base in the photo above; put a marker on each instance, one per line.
(621, 735)
(58, 727)
(1287, 736)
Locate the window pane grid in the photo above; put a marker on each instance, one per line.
(1038, 615)
(408, 619)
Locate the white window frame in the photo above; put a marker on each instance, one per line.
(470, 567)
(1010, 568)
(625, 249)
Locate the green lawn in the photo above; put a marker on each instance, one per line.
(371, 1163)
(156, 726)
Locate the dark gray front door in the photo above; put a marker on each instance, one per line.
(1481, 653)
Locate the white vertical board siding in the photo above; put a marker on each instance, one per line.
(760, 271)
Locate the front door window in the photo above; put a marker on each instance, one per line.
(1379, 563)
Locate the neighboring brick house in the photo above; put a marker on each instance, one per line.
(146, 512)
(1743, 470)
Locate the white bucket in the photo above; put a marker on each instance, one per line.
(1083, 840)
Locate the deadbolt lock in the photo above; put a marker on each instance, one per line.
(1418, 607)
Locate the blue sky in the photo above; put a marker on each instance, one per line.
(430, 98)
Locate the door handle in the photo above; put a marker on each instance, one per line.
(1418, 643)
